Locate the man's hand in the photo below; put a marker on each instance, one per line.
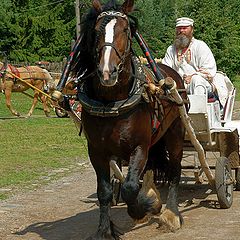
(187, 78)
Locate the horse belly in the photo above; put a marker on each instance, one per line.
(19, 87)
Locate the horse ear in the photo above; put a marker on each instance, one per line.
(97, 5)
(127, 6)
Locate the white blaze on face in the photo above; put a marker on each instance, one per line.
(109, 30)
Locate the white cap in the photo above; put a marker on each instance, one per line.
(184, 21)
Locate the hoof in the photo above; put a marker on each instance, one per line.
(143, 220)
(17, 114)
(97, 236)
(171, 220)
(47, 114)
(111, 233)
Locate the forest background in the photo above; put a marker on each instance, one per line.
(43, 30)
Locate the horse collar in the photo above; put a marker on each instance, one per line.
(116, 108)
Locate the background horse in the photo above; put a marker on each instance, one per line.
(117, 121)
(34, 75)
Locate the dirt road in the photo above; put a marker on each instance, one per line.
(67, 209)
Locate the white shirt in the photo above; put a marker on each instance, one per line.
(196, 59)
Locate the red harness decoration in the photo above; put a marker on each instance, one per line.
(14, 70)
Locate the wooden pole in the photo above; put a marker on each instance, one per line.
(78, 18)
(30, 85)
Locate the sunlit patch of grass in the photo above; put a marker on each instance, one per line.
(3, 196)
(237, 86)
(31, 148)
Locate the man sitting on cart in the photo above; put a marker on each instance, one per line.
(194, 61)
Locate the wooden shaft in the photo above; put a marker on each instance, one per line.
(30, 85)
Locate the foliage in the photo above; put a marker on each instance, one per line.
(43, 30)
(40, 30)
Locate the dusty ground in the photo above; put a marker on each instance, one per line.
(67, 209)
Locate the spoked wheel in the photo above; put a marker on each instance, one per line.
(76, 107)
(224, 182)
(238, 179)
(61, 113)
(116, 185)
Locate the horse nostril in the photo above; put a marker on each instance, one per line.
(115, 70)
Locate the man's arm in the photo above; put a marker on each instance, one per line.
(206, 61)
(168, 58)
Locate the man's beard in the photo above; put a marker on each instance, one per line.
(182, 41)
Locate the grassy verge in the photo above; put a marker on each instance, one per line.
(33, 149)
(237, 85)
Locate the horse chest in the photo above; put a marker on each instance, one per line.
(103, 134)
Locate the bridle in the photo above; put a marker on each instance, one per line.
(108, 15)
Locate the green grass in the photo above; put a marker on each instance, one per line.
(237, 85)
(32, 148)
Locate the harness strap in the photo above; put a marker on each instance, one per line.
(14, 70)
(116, 108)
(29, 71)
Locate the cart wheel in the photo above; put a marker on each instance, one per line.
(224, 182)
(238, 179)
(61, 113)
(116, 186)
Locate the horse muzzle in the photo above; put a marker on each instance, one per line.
(109, 79)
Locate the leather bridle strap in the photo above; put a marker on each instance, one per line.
(113, 46)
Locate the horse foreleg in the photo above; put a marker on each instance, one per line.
(45, 105)
(34, 103)
(8, 94)
(145, 201)
(106, 229)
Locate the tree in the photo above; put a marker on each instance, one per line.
(43, 30)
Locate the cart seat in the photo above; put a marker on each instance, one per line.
(205, 117)
(228, 108)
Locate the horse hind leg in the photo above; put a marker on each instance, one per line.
(151, 194)
(34, 103)
(171, 216)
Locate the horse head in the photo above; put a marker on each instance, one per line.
(113, 41)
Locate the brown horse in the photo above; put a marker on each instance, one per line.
(117, 120)
(38, 77)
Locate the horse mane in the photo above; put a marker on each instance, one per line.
(83, 62)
